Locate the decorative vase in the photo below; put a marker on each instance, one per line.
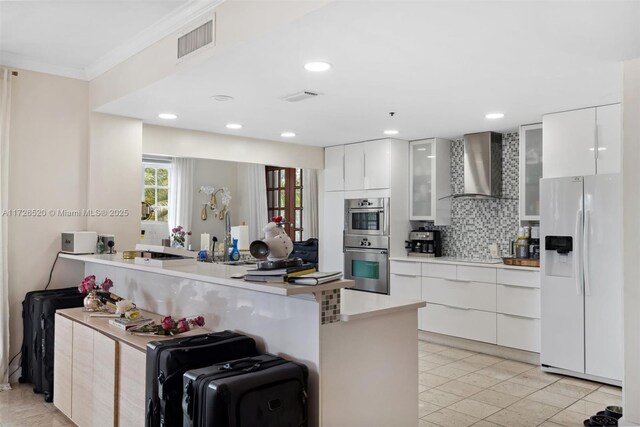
(176, 244)
(92, 302)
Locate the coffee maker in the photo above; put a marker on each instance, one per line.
(424, 243)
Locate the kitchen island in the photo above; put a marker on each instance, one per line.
(360, 348)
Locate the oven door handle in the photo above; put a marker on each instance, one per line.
(367, 251)
(366, 210)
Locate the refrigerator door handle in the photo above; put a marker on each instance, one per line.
(577, 253)
(585, 250)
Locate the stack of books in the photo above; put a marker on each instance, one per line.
(126, 324)
(279, 274)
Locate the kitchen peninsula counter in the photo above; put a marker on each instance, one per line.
(354, 343)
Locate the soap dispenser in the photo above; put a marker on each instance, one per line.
(234, 254)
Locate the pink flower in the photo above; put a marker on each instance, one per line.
(188, 233)
(199, 321)
(107, 284)
(183, 326)
(168, 323)
(87, 285)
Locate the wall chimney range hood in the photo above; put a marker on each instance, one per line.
(482, 165)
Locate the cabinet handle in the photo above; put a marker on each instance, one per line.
(404, 275)
(519, 316)
(517, 286)
(456, 307)
(457, 280)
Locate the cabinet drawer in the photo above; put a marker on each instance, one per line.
(469, 324)
(405, 267)
(476, 274)
(519, 301)
(519, 332)
(509, 276)
(444, 271)
(481, 296)
(405, 286)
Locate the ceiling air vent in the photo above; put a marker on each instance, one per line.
(300, 96)
(195, 39)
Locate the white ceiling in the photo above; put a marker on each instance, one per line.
(441, 66)
(82, 39)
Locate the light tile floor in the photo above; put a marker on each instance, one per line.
(461, 388)
(456, 388)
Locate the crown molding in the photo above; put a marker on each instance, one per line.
(191, 10)
(14, 60)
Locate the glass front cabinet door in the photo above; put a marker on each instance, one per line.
(430, 181)
(530, 171)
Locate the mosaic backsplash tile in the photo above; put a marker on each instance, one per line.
(476, 223)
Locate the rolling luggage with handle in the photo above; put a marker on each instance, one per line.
(32, 340)
(265, 391)
(43, 365)
(168, 360)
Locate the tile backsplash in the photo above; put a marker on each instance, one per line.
(476, 223)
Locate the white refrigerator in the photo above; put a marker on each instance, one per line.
(581, 276)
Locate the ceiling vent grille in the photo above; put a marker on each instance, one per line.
(300, 96)
(195, 39)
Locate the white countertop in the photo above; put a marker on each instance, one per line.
(212, 273)
(361, 305)
(493, 263)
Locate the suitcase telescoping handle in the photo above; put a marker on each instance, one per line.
(245, 365)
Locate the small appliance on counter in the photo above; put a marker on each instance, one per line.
(106, 244)
(79, 242)
(424, 243)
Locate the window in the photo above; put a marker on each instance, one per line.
(156, 189)
(284, 197)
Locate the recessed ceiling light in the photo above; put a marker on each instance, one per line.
(317, 66)
(493, 116)
(287, 134)
(391, 132)
(431, 157)
(234, 126)
(222, 98)
(422, 149)
(167, 116)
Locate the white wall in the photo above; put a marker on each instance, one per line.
(115, 157)
(631, 225)
(174, 142)
(217, 174)
(48, 170)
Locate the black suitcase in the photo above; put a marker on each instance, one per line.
(32, 327)
(261, 391)
(168, 360)
(43, 365)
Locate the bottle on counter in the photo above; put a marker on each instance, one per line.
(522, 242)
(234, 254)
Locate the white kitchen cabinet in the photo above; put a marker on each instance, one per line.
(334, 168)
(463, 294)
(406, 287)
(430, 181)
(366, 165)
(609, 139)
(330, 246)
(460, 322)
(581, 142)
(518, 332)
(530, 171)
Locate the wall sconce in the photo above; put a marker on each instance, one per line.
(213, 201)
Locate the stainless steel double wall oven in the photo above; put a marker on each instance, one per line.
(366, 244)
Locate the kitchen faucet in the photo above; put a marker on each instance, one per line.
(227, 235)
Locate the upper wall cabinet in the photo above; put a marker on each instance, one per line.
(530, 171)
(430, 181)
(366, 165)
(334, 168)
(582, 142)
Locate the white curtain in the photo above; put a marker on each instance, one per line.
(181, 193)
(5, 110)
(258, 212)
(309, 204)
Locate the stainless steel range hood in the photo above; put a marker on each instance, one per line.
(482, 165)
